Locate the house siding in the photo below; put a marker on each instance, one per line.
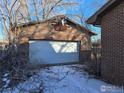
(112, 67)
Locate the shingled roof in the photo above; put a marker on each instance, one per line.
(96, 18)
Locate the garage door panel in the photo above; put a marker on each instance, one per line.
(53, 52)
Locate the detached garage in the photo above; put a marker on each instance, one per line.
(53, 41)
(53, 51)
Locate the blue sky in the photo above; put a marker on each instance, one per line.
(87, 7)
(1, 31)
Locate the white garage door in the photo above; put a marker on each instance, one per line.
(53, 52)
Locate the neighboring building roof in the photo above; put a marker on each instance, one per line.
(96, 18)
(55, 18)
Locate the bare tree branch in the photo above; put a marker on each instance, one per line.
(36, 12)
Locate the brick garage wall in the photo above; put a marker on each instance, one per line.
(113, 45)
(45, 31)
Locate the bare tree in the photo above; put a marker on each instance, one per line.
(15, 12)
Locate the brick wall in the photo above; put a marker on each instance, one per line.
(113, 45)
(46, 31)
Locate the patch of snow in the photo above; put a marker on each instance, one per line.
(62, 79)
(6, 74)
(6, 80)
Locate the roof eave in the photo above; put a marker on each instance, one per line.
(93, 34)
(95, 21)
(96, 18)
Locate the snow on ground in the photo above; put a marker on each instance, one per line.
(5, 80)
(63, 79)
